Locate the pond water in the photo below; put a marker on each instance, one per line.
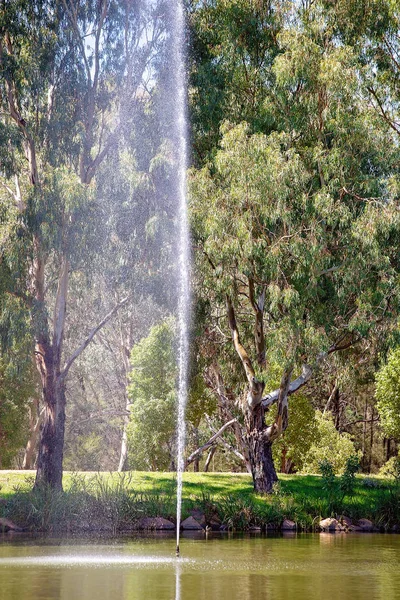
(223, 567)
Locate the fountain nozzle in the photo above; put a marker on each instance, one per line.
(177, 551)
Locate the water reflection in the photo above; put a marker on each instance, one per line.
(178, 581)
(306, 566)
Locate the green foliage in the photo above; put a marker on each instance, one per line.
(233, 44)
(241, 513)
(71, 111)
(87, 449)
(18, 381)
(388, 394)
(258, 212)
(200, 400)
(330, 445)
(152, 393)
(347, 479)
(391, 468)
(328, 474)
(337, 488)
(302, 431)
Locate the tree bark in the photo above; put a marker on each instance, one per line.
(126, 342)
(196, 461)
(211, 453)
(260, 451)
(36, 416)
(123, 457)
(51, 448)
(258, 307)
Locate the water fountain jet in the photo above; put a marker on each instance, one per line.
(178, 66)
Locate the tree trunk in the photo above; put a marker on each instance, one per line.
(371, 440)
(364, 438)
(126, 343)
(35, 421)
(51, 448)
(284, 460)
(260, 451)
(48, 353)
(196, 462)
(209, 458)
(123, 457)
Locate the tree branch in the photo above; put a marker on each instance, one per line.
(382, 110)
(307, 371)
(91, 335)
(244, 357)
(229, 447)
(258, 307)
(210, 442)
(374, 420)
(282, 418)
(256, 387)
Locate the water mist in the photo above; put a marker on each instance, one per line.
(178, 66)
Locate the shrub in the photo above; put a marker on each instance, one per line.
(337, 488)
(330, 445)
(391, 468)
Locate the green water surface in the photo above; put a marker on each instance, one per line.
(298, 567)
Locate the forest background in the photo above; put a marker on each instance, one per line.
(294, 187)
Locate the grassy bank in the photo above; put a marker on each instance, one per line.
(115, 502)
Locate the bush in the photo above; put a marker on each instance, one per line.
(330, 445)
(388, 394)
(391, 468)
(337, 488)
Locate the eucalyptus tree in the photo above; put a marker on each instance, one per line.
(297, 233)
(70, 73)
(232, 47)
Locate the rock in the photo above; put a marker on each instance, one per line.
(331, 524)
(346, 521)
(288, 525)
(8, 525)
(254, 529)
(365, 525)
(158, 523)
(191, 524)
(199, 516)
(395, 528)
(354, 528)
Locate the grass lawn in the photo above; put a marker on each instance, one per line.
(214, 484)
(304, 488)
(119, 500)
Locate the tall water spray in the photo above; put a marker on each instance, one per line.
(178, 62)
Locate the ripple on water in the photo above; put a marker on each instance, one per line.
(95, 561)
